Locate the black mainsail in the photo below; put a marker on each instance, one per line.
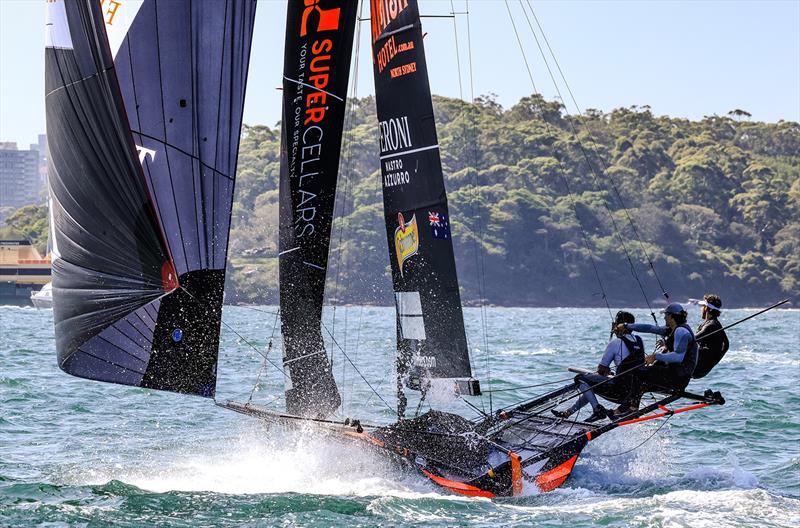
(430, 325)
(319, 41)
(144, 107)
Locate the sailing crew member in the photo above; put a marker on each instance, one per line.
(711, 339)
(673, 363)
(626, 351)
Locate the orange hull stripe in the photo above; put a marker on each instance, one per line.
(516, 474)
(458, 487)
(661, 415)
(365, 437)
(554, 478)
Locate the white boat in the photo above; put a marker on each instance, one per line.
(43, 298)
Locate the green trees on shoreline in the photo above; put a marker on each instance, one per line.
(542, 204)
(715, 202)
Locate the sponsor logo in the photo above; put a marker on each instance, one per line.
(405, 69)
(427, 362)
(384, 12)
(389, 50)
(395, 134)
(440, 225)
(406, 239)
(393, 173)
(144, 152)
(328, 19)
(118, 17)
(109, 9)
(310, 102)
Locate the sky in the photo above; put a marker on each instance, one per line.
(688, 58)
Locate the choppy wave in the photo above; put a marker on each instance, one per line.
(73, 452)
(543, 351)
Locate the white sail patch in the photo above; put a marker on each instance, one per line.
(54, 253)
(118, 16)
(144, 153)
(409, 310)
(56, 31)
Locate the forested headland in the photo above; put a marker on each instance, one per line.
(542, 204)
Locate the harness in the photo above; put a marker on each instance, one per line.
(687, 366)
(635, 357)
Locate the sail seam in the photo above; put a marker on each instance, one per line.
(304, 356)
(313, 88)
(166, 152)
(413, 151)
(64, 86)
(225, 34)
(384, 36)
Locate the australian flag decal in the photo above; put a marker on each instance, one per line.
(440, 226)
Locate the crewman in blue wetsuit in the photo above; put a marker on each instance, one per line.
(671, 366)
(626, 351)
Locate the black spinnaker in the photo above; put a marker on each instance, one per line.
(144, 106)
(319, 42)
(430, 326)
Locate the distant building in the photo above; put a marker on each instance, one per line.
(41, 146)
(20, 176)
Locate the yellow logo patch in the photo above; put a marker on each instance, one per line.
(406, 239)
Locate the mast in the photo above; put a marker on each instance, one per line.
(431, 340)
(319, 42)
(144, 104)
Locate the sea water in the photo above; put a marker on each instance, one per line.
(82, 453)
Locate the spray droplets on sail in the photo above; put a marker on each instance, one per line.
(431, 339)
(319, 41)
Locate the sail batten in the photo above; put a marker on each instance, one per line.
(319, 41)
(431, 337)
(142, 187)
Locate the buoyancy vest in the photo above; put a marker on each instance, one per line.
(686, 367)
(635, 357)
(710, 349)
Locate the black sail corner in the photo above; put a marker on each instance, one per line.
(430, 326)
(141, 192)
(319, 41)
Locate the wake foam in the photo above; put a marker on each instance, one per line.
(259, 461)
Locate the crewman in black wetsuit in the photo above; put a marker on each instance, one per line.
(671, 366)
(711, 339)
(626, 352)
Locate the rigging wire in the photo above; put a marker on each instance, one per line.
(264, 363)
(662, 424)
(484, 328)
(346, 166)
(532, 386)
(333, 339)
(593, 169)
(480, 264)
(240, 336)
(335, 342)
(564, 179)
(562, 173)
(594, 144)
(521, 47)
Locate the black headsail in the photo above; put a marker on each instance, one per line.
(319, 41)
(430, 325)
(144, 104)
